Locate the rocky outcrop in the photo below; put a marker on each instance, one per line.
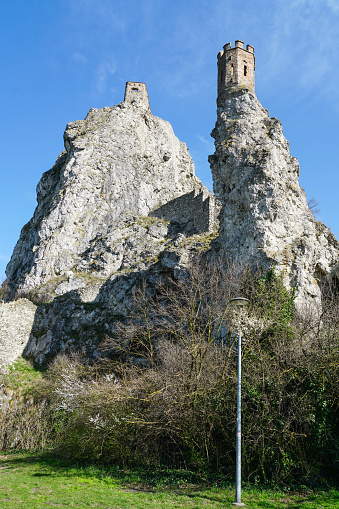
(265, 219)
(119, 164)
(121, 205)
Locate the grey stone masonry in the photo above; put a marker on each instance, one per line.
(196, 211)
(16, 321)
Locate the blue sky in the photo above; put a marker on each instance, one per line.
(62, 57)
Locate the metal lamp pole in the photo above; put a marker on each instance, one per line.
(240, 303)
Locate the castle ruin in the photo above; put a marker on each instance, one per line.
(236, 67)
(122, 205)
(136, 92)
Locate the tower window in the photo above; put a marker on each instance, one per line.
(232, 69)
(245, 70)
(135, 89)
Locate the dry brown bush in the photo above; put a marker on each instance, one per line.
(24, 425)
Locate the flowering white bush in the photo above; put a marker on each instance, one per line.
(69, 390)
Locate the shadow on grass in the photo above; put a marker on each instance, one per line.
(150, 477)
(192, 485)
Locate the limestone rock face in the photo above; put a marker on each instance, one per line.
(120, 205)
(265, 218)
(118, 161)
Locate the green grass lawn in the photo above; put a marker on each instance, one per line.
(39, 481)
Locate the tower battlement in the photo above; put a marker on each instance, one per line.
(136, 93)
(236, 67)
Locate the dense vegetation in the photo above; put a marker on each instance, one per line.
(165, 395)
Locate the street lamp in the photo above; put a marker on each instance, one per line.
(240, 303)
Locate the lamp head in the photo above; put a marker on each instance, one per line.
(240, 303)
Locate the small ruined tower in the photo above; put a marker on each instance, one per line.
(235, 67)
(136, 93)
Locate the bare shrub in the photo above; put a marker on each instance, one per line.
(3, 289)
(313, 205)
(191, 312)
(24, 425)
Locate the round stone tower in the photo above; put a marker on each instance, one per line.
(236, 68)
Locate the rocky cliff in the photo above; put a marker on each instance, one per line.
(119, 164)
(121, 204)
(265, 219)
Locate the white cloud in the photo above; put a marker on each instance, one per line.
(295, 46)
(99, 12)
(105, 69)
(331, 4)
(79, 57)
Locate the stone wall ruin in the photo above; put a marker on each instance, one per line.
(136, 92)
